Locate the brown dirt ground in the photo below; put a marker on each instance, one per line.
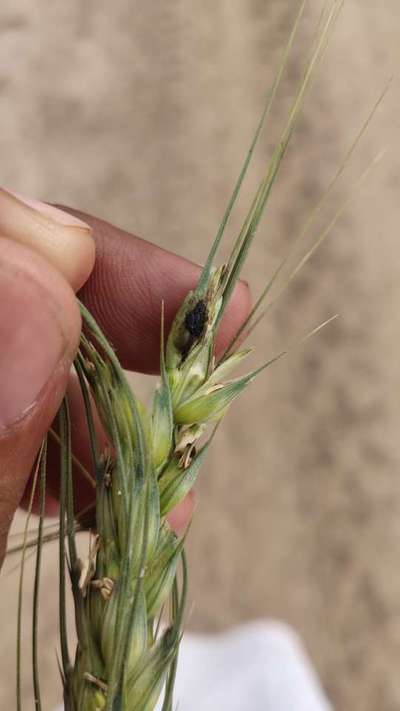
(141, 113)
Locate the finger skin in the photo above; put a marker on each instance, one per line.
(21, 438)
(64, 241)
(19, 448)
(130, 280)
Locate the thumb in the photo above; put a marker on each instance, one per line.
(39, 335)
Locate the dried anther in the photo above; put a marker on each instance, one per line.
(188, 436)
(105, 585)
(187, 456)
(107, 465)
(94, 680)
(88, 568)
(90, 367)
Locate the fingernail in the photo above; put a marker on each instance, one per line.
(32, 344)
(61, 238)
(37, 209)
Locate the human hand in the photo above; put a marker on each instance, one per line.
(45, 255)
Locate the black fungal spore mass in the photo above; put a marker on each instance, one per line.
(196, 320)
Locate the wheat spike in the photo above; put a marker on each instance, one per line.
(130, 594)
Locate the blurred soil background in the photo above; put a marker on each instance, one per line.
(141, 113)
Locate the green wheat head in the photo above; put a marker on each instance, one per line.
(129, 596)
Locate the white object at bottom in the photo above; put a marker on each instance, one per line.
(258, 666)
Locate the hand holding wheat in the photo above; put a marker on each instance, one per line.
(36, 281)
